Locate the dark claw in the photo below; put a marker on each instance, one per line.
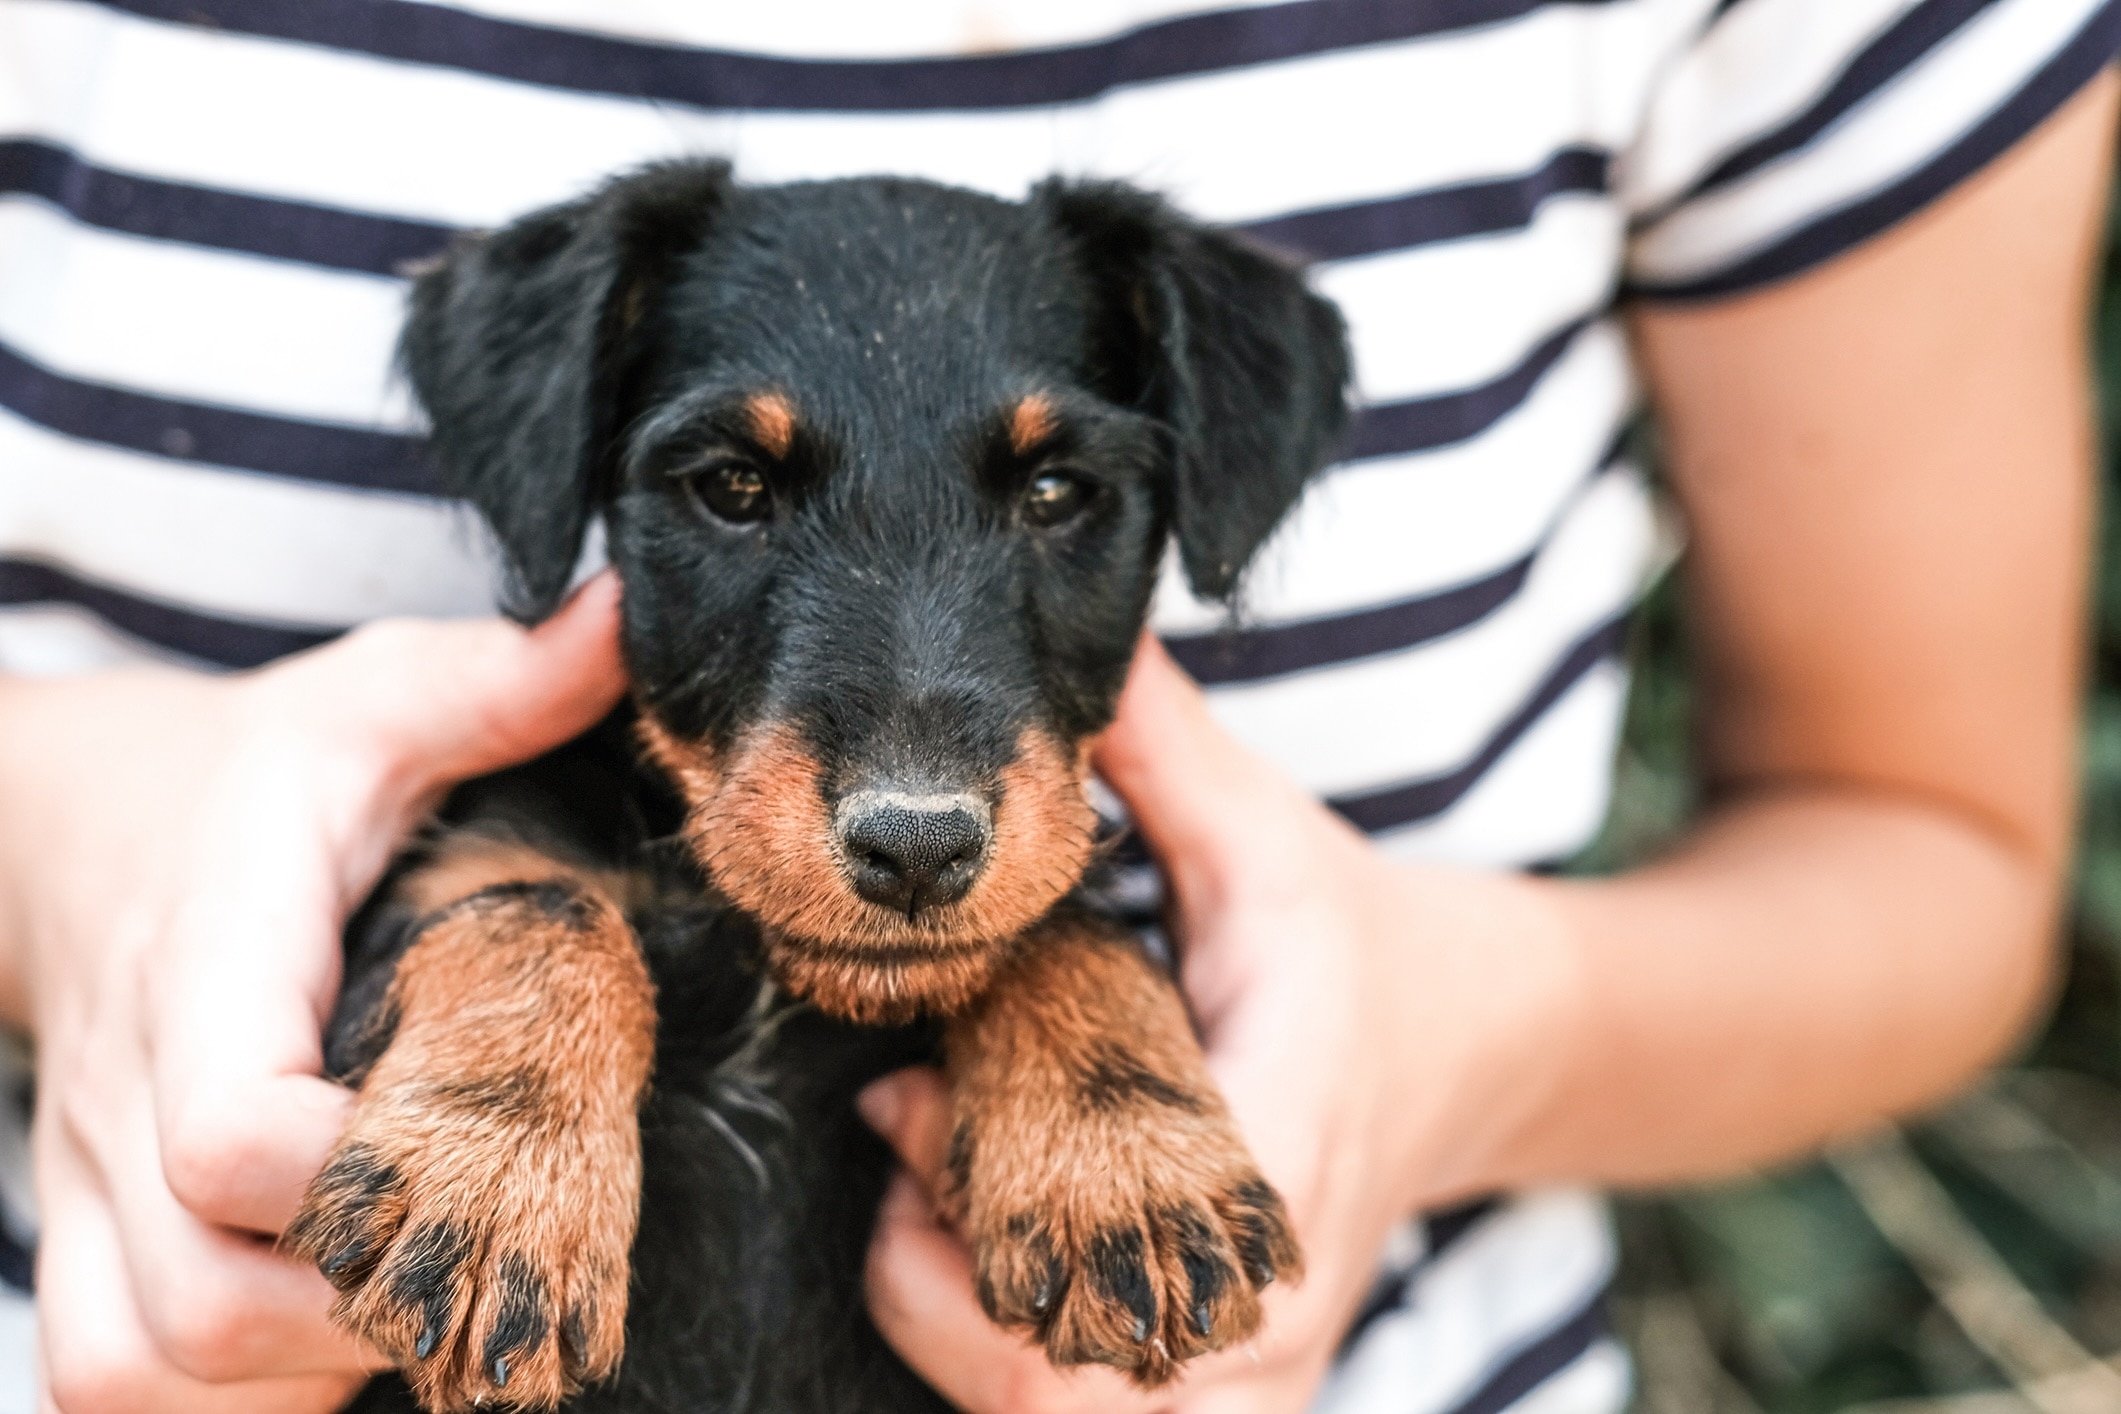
(348, 1262)
(424, 1275)
(1048, 1289)
(1256, 1230)
(983, 1289)
(1116, 1260)
(521, 1324)
(1205, 1272)
(574, 1340)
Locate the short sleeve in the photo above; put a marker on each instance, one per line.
(1792, 130)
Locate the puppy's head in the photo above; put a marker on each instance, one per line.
(887, 470)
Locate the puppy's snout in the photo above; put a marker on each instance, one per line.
(914, 852)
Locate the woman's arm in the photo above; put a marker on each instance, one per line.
(1888, 470)
(1887, 465)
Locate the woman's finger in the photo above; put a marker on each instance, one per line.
(96, 1358)
(440, 702)
(1212, 811)
(910, 1108)
(1165, 756)
(243, 1119)
(219, 1304)
(97, 1352)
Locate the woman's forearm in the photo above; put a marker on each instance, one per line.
(1809, 962)
(1886, 466)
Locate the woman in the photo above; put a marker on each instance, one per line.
(1842, 245)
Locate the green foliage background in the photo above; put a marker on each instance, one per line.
(1781, 1293)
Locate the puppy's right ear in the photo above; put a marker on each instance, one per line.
(519, 346)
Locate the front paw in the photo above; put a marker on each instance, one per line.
(486, 1258)
(479, 1211)
(1136, 1241)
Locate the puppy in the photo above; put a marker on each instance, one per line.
(887, 471)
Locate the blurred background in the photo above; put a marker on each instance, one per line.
(1966, 1264)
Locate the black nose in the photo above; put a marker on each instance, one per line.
(914, 852)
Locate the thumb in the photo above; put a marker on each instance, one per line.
(1197, 795)
(910, 1110)
(414, 706)
(441, 701)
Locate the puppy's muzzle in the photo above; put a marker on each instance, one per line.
(908, 852)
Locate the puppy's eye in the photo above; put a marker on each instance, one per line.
(1055, 498)
(731, 490)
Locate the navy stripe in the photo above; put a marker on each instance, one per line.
(1425, 799)
(18, 1265)
(2053, 85)
(1441, 1232)
(174, 211)
(1532, 1365)
(388, 461)
(384, 245)
(229, 642)
(1421, 424)
(1255, 653)
(1899, 48)
(1442, 214)
(716, 79)
(217, 436)
(1444, 1229)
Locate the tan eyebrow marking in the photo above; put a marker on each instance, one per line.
(1030, 423)
(772, 421)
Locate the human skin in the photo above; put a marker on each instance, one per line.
(181, 851)
(1887, 468)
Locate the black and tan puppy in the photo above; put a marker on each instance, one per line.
(887, 471)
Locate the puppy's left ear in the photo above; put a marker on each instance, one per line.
(1223, 342)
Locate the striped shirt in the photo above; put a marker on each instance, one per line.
(206, 207)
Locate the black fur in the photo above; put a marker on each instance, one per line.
(747, 1270)
(895, 605)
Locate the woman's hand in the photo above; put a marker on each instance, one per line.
(181, 853)
(1357, 1015)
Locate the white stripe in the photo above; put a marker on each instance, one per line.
(1391, 528)
(851, 29)
(1879, 142)
(288, 120)
(59, 640)
(253, 547)
(18, 1354)
(1499, 296)
(256, 115)
(1410, 715)
(1547, 796)
(199, 324)
(1762, 64)
(295, 341)
(1511, 1280)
